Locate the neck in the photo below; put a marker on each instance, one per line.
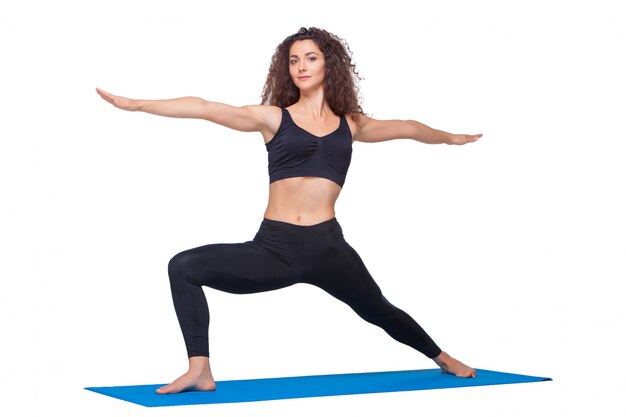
(313, 104)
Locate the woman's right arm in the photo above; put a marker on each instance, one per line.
(246, 118)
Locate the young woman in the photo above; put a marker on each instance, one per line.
(309, 117)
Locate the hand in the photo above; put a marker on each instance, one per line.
(118, 101)
(462, 139)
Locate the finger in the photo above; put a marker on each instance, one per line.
(108, 97)
(101, 92)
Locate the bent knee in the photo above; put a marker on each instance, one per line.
(178, 266)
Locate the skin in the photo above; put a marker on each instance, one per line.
(298, 200)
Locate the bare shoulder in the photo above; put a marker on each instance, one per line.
(267, 119)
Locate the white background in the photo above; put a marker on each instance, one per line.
(509, 251)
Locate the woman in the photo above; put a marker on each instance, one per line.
(310, 90)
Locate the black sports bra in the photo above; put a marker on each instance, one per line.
(294, 152)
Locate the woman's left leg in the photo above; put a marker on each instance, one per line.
(341, 272)
(337, 268)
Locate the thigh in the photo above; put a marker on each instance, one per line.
(342, 273)
(239, 268)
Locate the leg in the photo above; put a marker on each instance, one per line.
(239, 268)
(232, 267)
(345, 276)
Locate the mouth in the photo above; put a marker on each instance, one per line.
(304, 78)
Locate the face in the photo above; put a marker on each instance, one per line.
(306, 60)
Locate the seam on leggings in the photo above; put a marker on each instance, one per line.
(274, 255)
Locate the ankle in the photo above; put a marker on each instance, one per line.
(441, 358)
(198, 363)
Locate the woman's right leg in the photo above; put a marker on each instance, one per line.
(239, 268)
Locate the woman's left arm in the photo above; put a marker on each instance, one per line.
(373, 130)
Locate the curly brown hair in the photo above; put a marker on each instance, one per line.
(340, 74)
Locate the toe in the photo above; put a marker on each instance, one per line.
(165, 389)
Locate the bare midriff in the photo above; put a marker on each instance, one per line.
(304, 201)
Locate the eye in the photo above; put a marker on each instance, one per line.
(313, 58)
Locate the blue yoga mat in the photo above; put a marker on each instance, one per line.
(311, 386)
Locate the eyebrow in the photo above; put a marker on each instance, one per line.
(308, 53)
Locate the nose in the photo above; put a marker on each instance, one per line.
(302, 66)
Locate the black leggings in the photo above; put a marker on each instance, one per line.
(282, 254)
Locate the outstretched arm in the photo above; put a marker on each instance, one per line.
(245, 118)
(373, 130)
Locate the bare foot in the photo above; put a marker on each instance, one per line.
(452, 366)
(197, 378)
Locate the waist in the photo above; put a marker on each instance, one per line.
(324, 224)
(276, 233)
(299, 219)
